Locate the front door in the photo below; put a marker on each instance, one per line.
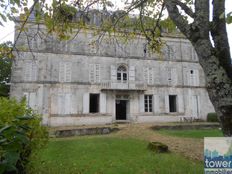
(121, 109)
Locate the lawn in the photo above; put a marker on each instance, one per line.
(193, 133)
(108, 155)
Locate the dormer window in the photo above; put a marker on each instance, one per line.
(122, 73)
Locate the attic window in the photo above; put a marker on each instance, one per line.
(191, 71)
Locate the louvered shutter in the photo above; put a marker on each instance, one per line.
(91, 73)
(141, 103)
(97, 73)
(62, 72)
(167, 104)
(85, 103)
(180, 103)
(113, 73)
(132, 73)
(68, 72)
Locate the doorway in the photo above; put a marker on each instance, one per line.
(121, 109)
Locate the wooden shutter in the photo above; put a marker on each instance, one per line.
(145, 74)
(167, 104)
(97, 73)
(91, 73)
(132, 73)
(33, 71)
(85, 103)
(61, 106)
(196, 74)
(67, 104)
(102, 103)
(32, 100)
(156, 104)
(113, 73)
(150, 76)
(141, 103)
(68, 72)
(27, 71)
(62, 72)
(174, 76)
(180, 99)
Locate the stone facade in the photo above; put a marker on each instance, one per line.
(83, 82)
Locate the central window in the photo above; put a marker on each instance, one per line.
(122, 73)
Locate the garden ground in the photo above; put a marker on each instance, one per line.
(125, 151)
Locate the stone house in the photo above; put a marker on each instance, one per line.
(83, 82)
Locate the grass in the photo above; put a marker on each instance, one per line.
(193, 133)
(107, 155)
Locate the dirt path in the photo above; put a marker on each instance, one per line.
(189, 147)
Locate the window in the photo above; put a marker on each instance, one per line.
(172, 76)
(30, 71)
(64, 103)
(65, 71)
(194, 77)
(94, 103)
(94, 73)
(148, 103)
(122, 73)
(172, 103)
(148, 75)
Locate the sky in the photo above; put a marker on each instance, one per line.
(7, 32)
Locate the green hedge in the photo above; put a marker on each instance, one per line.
(212, 117)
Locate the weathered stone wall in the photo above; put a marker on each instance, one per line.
(57, 77)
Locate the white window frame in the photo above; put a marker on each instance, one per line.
(148, 103)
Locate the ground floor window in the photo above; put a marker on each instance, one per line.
(172, 103)
(94, 103)
(148, 103)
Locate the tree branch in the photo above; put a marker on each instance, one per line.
(184, 7)
(178, 19)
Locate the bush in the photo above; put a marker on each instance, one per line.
(20, 134)
(212, 117)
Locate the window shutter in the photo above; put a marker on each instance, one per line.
(60, 104)
(26, 95)
(27, 73)
(85, 103)
(68, 72)
(167, 104)
(33, 71)
(174, 76)
(156, 104)
(141, 103)
(180, 103)
(132, 73)
(113, 73)
(102, 103)
(32, 100)
(91, 73)
(67, 103)
(196, 73)
(97, 73)
(145, 74)
(186, 76)
(62, 72)
(150, 76)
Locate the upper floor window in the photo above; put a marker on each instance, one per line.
(30, 71)
(65, 71)
(122, 73)
(94, 73)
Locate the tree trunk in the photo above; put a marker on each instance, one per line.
(218, 84)
(212, 57)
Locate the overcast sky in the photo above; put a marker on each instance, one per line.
(7, 32)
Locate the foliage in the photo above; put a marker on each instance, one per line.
(21, 134)
(212, 117)
(5, 68)
(95, 154)
(193, 133)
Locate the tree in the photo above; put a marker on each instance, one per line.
(209, 37)
(5, 68)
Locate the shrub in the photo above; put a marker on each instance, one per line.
(20, 134)
(212, 117)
